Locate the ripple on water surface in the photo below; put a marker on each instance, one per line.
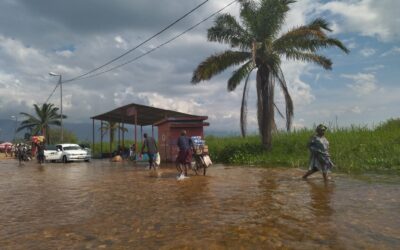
(114, 205)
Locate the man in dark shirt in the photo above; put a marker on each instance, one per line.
(150, 144)
(184, 158)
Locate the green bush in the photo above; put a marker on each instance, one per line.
(352, 149)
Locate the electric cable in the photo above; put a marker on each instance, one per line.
(159, 46)
(52, 93)
(137, 46)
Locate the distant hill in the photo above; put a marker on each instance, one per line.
(7, 130)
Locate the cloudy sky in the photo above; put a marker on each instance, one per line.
(72, 37)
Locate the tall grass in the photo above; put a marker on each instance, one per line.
(105, 147)
(352, 149)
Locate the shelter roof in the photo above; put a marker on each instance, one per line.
(146, 115)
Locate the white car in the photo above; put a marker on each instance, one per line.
(66, 152)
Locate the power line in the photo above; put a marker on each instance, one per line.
(137, 46)
(52, 93)
(159, 46)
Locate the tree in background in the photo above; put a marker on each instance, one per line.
(111, 127)
(46, 115)
(68, 136)
(261, 45)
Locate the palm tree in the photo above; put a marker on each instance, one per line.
(111, 127)
(261, 46)
(46, 115)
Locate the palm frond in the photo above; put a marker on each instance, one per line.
(323, 61)
(215, 64)
(239, 75)
(288, 99)
(308, 38)
(320, 23)
(248, 14)
(227, 30)
(270, 18)
(279, 112)
(46, 115)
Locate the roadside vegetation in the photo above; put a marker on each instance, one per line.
(258, 44)
(353, 149)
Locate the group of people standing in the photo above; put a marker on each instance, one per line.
(25, 152)
(183, 159)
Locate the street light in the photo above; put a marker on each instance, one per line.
(16, 124)
(61, 107)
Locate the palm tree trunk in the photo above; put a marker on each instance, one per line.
(45, 134)
(265, 105)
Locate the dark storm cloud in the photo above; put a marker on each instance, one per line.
(84, 16)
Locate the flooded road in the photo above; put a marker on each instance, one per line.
(107, 205)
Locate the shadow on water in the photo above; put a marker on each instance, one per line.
(120, 205)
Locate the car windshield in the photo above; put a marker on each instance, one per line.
(72, 148)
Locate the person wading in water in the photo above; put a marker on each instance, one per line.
(150, 144)
(184, 158)
(320, 159)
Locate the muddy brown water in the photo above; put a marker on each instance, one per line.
(105, 205)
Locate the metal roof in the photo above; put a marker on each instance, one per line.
(146, 115)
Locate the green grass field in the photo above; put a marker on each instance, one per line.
(353, 149)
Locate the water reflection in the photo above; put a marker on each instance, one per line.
(321, 195)
(121, 206)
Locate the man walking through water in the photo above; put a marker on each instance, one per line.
(150, 144)
(320, 159)
(184, 158)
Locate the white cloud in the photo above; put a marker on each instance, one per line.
(363, 84)
(298, 123)
(350, 42)
(367, 52)
(300, 91)
(368, 17)
(356, 110)
(121, 43)
(395, 50)
(374, 67)
(65, 53)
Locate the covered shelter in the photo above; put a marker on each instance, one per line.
(137, 115)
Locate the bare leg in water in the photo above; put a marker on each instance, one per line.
(309, 172)
(325, 175)
(312, 171)
(179, 168)
(185, 168)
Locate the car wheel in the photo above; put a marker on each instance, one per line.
(64, 159)
(87, 160)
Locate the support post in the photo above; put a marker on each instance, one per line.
(123, 134)
(136, 146)
(119, 134)
(92, 137)
(101, 140)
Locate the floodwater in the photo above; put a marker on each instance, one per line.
(105, 205)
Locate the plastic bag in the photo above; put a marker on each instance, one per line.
(207, 160)
(157, 159)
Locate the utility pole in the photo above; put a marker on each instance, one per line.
(15, 127)
(61, 103)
